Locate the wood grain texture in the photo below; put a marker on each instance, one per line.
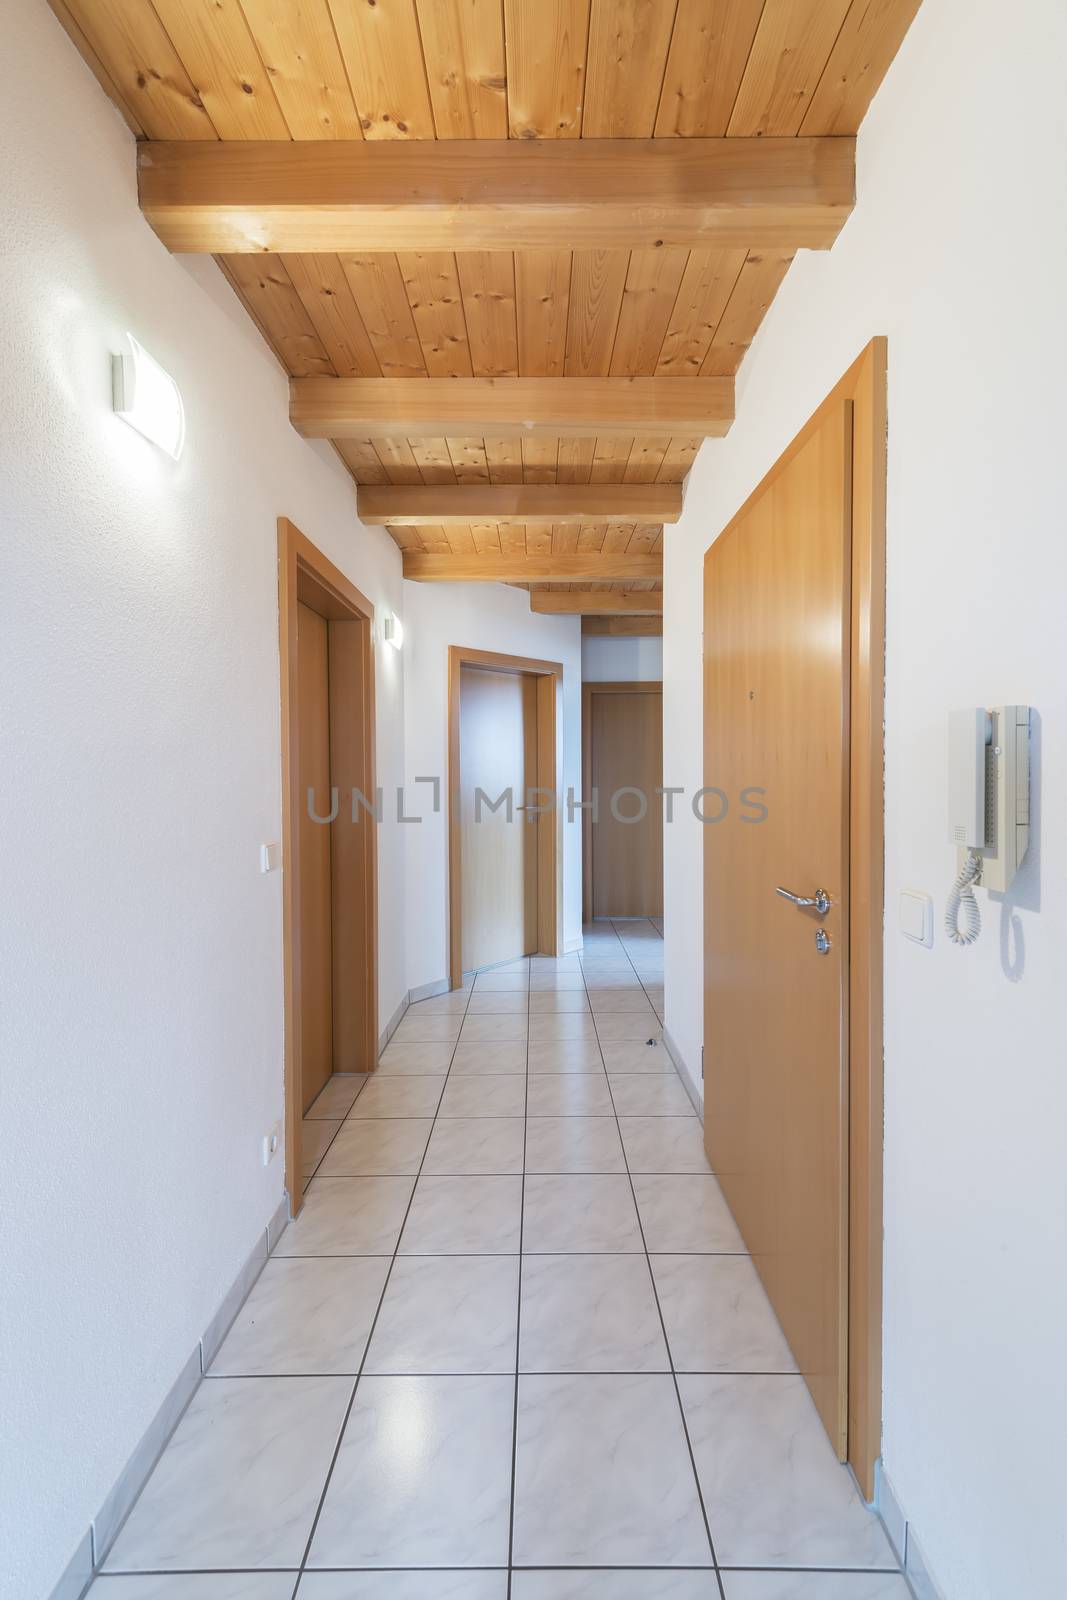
(871, 35)
(628, 43)
(556, 504)
(601, 194)
(216, 47)
(533, 567)
(622, 627)
(336, 408)
(596, 602)
(463, 47)
(316, 900)
(776, 701)
(546, 56)
(622, 729)
(708, 55)
(298, 46)
(792, 45)
(383, 59)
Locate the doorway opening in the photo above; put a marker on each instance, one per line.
(505, 819)
(329, 832)
(622, 766)
(794, 603)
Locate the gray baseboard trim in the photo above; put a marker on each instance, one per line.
(903, 1538)
(232, 1301)
(572, 946)
(278, 1223)
(692, 1085)
(100, 1535)
(78, 1575)
(428, 991)
(393, 1024)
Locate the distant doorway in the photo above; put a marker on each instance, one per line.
(329, 845)
(622, 763)
(505, 810)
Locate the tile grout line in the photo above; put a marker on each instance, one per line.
(518, 1309)
(370, 1336)
(663, 1325)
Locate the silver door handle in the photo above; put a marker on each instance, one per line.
(819, 902)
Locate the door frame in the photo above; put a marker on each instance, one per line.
(306, 576)
(642, 686)
(865, 385)
(548, 679)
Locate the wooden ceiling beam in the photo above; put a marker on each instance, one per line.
(237, 196)
(598, 602)
(412, 408)
(517, 504)
(622, 627)
(593, 566)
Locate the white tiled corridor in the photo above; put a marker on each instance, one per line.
(512, 1346)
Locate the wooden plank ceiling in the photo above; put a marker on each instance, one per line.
(482, 69)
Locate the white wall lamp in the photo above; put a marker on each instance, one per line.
(148, 398)
(392, 630)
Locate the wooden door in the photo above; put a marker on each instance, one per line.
(316, 897)
(498, 850)
(625, 749)
(776, 692)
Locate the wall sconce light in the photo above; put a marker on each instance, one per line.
(148, 398)
(392, 630)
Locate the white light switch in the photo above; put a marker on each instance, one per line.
(270, 857)
(917, 916)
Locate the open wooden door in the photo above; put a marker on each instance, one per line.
(787, 660)
(622, 761)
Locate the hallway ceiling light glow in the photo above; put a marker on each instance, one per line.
(393, 630)
(148, 398)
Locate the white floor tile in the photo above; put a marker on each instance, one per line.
(603, 1475)
(423, 1476)
(486, 981)
(336, 1098)
(686, 1213)
(549, 1027)
(461, 1146)
(421, 1059)
(718, 1316)
(404, 1586)
(485, 1096)
(304, 1316)
(194, 1586)
(502, 1056)
(498, 1002)
(631, 1056)
(568, 1094)
(776, 1496)
(628, 1027)
(348, 1217)
(566, 1055)
(448, 1314)
(664, 1144)
(573, 1144)
(464, 1216)
(440, 1029)
(648, 1094)
(814, 1586)
(549, 1001)
(238, 1484)
(402, 1095)
(393, 1145)
(492, 1028)
(585, 1214)
(315, 1140)
(643, 1585)
(589, 1314)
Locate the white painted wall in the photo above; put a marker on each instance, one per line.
(140, 948)
(621, 660)
(482, 616)
(956, 252)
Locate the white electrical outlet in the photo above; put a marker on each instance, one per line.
(270, 1144)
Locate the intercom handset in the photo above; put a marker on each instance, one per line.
(989, 806)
